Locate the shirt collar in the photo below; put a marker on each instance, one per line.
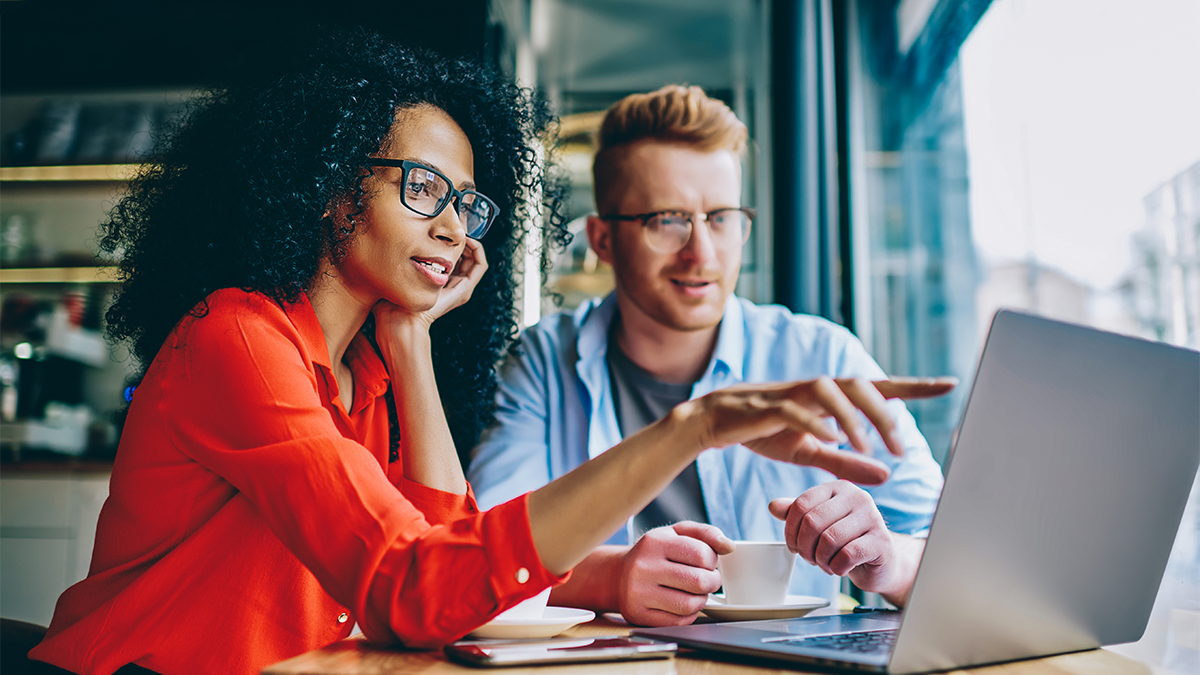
(369, 372)
(731, 340)
(304, 318)
(594, 318)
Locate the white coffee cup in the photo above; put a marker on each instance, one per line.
(757, 573)
(533, 608)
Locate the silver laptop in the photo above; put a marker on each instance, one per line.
(1074, 459)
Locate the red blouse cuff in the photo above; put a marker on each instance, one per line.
(439, 506)
(518, 572)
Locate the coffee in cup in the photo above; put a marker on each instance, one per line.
(757, 573)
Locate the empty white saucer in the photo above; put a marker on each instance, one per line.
(554, 621)
(795, 605)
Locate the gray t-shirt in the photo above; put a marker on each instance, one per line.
(640, 400)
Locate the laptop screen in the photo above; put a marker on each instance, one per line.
(1073, 463)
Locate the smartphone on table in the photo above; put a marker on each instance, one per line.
(490, 653)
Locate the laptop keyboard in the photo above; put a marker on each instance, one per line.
(865, 642)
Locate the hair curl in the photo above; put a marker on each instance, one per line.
(237, 197)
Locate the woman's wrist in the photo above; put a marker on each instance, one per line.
(685, 426)
(405, 341)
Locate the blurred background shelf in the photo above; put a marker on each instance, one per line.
(69, 173)
(58, 275)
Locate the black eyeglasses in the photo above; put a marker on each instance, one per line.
(427, 192)
(669, 231)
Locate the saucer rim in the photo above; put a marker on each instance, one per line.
(805, 602)
(561, 620)
(565, 615)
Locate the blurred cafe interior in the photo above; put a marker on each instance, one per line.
(915, 165)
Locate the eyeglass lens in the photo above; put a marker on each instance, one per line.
(670, 232)
(475, 211)
(426, 193)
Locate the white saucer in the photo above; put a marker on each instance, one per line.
(795, 605)
(554, 621)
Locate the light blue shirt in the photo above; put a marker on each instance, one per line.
(554, 411)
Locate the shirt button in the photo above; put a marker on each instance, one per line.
(342, 617)
(522, 575)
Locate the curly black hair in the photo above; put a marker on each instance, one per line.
(237, 195)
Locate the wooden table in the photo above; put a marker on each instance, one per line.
(355, 657)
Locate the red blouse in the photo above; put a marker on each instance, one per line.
(252, 518)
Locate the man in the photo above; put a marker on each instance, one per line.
(672, 225)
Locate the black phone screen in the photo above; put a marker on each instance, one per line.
(565, 650)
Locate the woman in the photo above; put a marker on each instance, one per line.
(290, 269)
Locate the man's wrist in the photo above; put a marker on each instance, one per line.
(596, 582)
(906, 559)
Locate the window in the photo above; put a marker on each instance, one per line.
(916, 268)
(1038, 155)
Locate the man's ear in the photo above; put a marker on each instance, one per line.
(600, 237)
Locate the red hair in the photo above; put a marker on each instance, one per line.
(673, 114)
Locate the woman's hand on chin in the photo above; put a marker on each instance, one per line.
(463, 280)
